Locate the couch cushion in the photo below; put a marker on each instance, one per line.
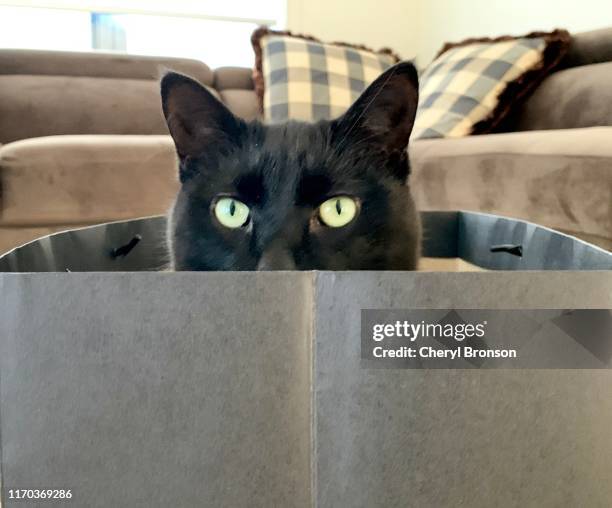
(85, 179)
(590, 47)
(33, 106)
(98, 64)
(558, 178)
(241, 102)
(44, 93)
(577, 97)
(237, 91)
(233, 77)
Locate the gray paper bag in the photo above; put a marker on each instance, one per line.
(249, 389)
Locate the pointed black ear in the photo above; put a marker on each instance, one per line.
(384, 113)
(196, 119)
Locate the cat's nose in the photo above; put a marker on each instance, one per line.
(276, 257)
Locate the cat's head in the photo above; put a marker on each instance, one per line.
(328, 196)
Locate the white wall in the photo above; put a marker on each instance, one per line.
(375, 23)
(420, 27)
(454, 20)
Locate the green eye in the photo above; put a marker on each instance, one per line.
(337, 212)
(231, 212)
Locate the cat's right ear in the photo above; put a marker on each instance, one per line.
(384, 113)
(197, 121)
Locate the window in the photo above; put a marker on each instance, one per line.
(30, 28)
(216, 32)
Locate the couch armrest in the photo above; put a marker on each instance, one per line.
(86, 179)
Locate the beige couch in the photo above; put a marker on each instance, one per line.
(84, 142)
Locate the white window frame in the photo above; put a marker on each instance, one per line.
(119, 7)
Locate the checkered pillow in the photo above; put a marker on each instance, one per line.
(470, 87)
(299, 78)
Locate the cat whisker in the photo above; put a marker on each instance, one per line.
(366, 107)
(356, 145)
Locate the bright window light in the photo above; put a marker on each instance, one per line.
(29, 28)
(215, 32)
(217, 43)
(267, 11)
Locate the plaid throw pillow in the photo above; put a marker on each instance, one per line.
(472, 86)
(300, 78)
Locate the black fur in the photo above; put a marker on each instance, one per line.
(284, 172)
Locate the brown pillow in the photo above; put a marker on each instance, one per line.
(472, 86)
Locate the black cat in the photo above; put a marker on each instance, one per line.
(326, 196)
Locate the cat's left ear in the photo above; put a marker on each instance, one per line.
(197, 121)
(383, 114)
